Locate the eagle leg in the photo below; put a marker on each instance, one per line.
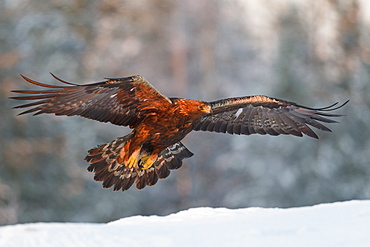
(134, 159)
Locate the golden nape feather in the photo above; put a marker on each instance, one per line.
(158, 123)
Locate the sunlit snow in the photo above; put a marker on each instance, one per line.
(336, 224)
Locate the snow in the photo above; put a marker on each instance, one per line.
(336, 224)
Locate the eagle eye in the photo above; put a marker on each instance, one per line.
(204, 108)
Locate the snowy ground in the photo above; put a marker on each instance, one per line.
(337, 224)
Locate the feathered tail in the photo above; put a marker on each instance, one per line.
(108, 167)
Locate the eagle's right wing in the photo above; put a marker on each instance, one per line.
(121, 101)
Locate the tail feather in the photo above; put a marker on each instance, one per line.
(151, 177)
(107, 150)
(109, 168)
(124, 184)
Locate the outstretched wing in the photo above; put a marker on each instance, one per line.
(121, 101)
(265, 115)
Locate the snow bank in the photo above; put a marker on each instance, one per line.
(336, 224)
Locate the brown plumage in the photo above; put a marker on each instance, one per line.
(159, 123)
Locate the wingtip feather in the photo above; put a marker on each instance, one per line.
(39, 83)
(66, 82)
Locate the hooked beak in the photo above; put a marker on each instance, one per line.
(207, 109)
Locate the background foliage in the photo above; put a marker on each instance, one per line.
(311, 52)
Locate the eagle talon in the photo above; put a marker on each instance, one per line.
(146, 162)
(142, 161)
(131, 162)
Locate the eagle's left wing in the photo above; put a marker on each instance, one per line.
(264, 115)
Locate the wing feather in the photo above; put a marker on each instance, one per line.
(121, 101)
(265, 115)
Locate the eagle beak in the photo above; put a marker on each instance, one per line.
(207, 109)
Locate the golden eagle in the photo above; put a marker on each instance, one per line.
(154, 147)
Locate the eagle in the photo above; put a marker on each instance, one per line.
(159, 123)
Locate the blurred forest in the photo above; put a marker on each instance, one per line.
(311, 52)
